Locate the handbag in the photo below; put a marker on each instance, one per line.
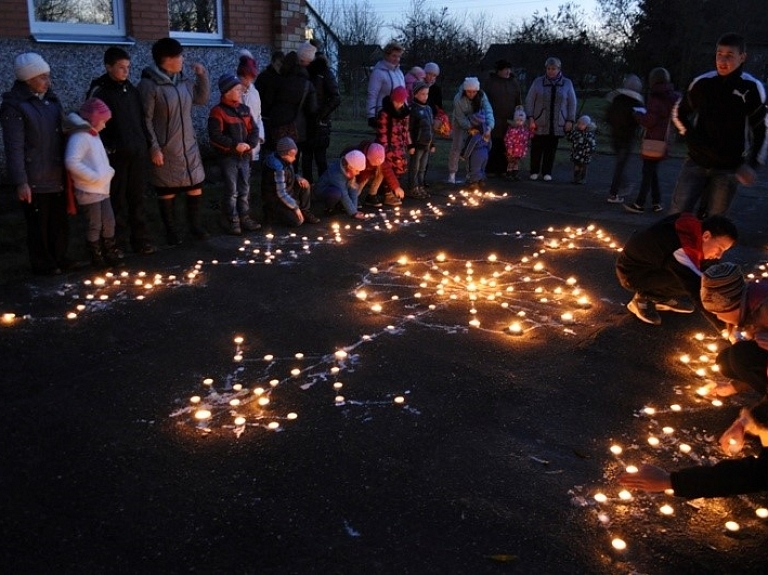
(653, 149)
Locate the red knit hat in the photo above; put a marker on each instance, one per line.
(94, 110)
(399, 94)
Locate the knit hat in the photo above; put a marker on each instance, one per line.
(399, 94)
(417, 72)
(306, 52)
(28, 65)
(166, 48)
(375, 154)
(431, 68)
(228, 81)
(503, 64)
(722, 287)
(356, 160)
(418, 86)
(471, 83)
(632, 82)
(94, 110)
(520, 113)
(247, 65)
(587, 121)
(285, 145)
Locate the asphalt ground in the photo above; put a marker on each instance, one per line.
(450, 445)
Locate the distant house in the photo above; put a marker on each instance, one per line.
(72, 36)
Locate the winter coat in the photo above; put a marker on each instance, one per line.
(656, 119)
(87, 163)
(125, 133)
(583, 145)
(504, 94)
(551, 102)
(229, 126)
(278, 181)
(464, 109)
(728, 477)
(516, 141)
(295, 101)
(328, 99)
(167, 103)
(334, 181)
(34, 139)
(723, 120)
(421, 125)
(620, 116)
(385, 77)
(392, 133)
(267, 83)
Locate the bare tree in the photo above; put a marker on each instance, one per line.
(353, 22)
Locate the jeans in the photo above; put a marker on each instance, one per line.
(100, 220)
(649, 183)
(236, 172)
(617, 182)
(712, 189)
(417, 167)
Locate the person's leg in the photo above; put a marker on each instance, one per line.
(58, 229)
(690, 184)
(421, 171)
(136, 188)
(655, 188)
(620, 164)
(307, 153)
(229, 193)
(720, 191)
(537, 150)
(649, 167)
(118, 195)
(413, 169)
(321, 159)
(112, 254)
(243, 184)
(457, 143)
(194, 215)
(497, 161)
(167, 206)
(550, 149)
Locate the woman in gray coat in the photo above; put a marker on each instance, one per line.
(177, 167)
(551, 109)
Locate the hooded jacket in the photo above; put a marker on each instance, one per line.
(167, 103)
(87, 162)
(723, 120)
(34, 139)
(385, 77)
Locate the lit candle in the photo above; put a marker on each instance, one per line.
(273, 425)
(237, 386)
(619, 544)
(567, 318)
(666, 510)
(295, 372)
(339, 399)
(625, 495)
(631, 469)
(761, 512)
(202, 414)
(239, 421)
(238, 340)
(516, 329)
(263, 401)
(653, 441)
(9, 317)
(616, 449)
(685, 448)
(600, 497)
(194, 399)
(732, 526)
(399, 399)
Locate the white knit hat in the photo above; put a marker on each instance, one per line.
(29, 65)
(471, 83)
(306, 52)
(432, 68)
(355, 160)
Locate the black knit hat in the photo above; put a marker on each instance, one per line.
(722, 287)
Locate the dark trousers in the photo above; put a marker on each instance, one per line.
(745, 361)
(126, 192)
(47, 231)
(619, 167)
(649, 282)
(543, 149)
(316, 154)
(649, 183)
(497, 157)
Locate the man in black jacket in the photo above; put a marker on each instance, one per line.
(127, 143)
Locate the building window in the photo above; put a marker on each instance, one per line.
(195, 19)
(77, 17)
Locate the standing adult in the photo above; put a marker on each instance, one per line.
(722, 116)
(468, 105)
(247, 71)
(177, 167)
(385, 77)
(551, 108)
(504, 94)
(266, 84)
(126, 140)
(31, 118)
(620, 116)
(328, 99)
(656, 120)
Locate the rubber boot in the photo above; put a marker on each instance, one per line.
(112, 255)
(168, 215)
(193, 218)
(97, 256)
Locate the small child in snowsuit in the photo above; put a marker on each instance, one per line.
(583, 144)
(88, 166)
(516, 141)
(476, 149)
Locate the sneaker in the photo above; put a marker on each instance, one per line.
(534, 177)
(417, 193)
(232, 227)
(657, 208)
(676, 305)
(615, 200)
(309, 217)
(633, 207)
(249, 225)
(374, 200)
(145, 248)
(391, 200)
(645, 310)
(451, 179)
(547, 178)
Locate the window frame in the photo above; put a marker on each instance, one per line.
(192, 37)
(67, 29)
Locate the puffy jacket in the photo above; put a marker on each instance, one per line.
(168, 117)
(34, 139)
(228, 127)
(420, 126)
(551, 102)
(385, 77)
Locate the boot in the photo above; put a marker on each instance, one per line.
(112, 255)
(97, 256)
(193, 218)
(168, 215)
